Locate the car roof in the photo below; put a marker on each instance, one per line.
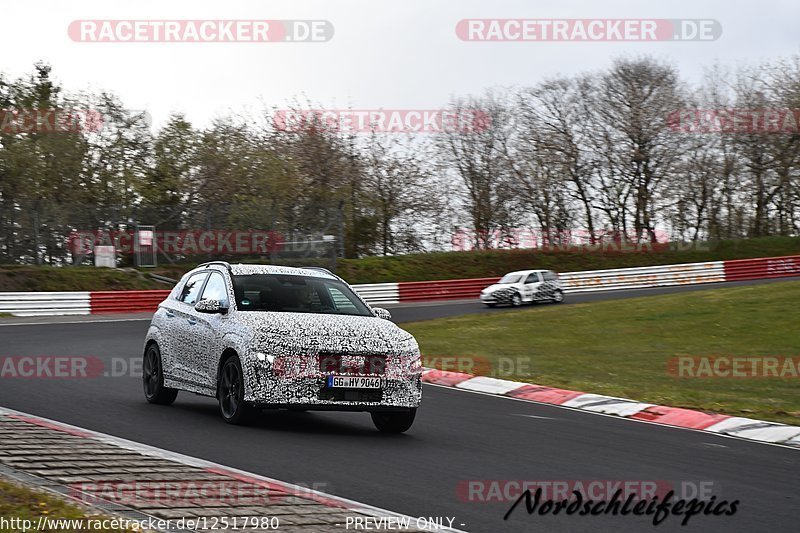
(250, 269)
(525, 272)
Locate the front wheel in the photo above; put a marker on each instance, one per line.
(393, 422)
(153, 378)
(230, 393)
(516, 300)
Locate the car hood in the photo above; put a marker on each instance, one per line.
(498, 286)
(325, 332)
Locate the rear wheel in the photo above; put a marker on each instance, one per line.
(230, 393)
(153, 378)
(393, 422)
(558, 296)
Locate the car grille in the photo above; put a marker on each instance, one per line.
(359, 364)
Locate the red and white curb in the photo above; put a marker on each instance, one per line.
(328, 500)
(745, 428)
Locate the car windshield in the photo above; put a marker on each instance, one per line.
(510, 278)
(296, 294)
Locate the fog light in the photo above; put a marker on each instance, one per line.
(265, 357)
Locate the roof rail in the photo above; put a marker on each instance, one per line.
(319, 269)
(222, 263)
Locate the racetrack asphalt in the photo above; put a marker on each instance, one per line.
(458, 436)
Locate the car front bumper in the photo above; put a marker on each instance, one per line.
(500, 296)
(313, 393)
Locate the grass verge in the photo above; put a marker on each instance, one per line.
(47, 278)
(22, 503)
(623, 347)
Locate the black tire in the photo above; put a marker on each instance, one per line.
(153, 378)
(230, 393)
(490, 305)
(393, 422)
(516, 300)
(558, 296)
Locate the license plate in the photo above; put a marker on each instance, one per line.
(354, 382)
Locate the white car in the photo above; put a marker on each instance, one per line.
(271, 337)
(524, 286)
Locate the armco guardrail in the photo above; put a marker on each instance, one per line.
(126, 301)
(764, 268)
(83, 303)
(587, 281)
(379, 293)
(638, 278)
(456, 289)
(44, 303)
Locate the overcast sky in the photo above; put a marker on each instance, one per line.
(401, 54)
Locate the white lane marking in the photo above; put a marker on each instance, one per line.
(535, 416)
(636, 420)
(152, 451)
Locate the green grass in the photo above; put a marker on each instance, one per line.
(20, 502)
(621, 348)
(47, 278)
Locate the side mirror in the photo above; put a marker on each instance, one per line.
(380, 312)
(210, 306)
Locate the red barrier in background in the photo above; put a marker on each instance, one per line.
(762, 268)
(455, 289)
(126, 301)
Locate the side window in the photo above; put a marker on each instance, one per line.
(192, 288)
(216, 289)
(532, 278)
(341, 301)
(550, 276)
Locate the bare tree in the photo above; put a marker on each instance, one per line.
(476, 155)
(638, 152)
